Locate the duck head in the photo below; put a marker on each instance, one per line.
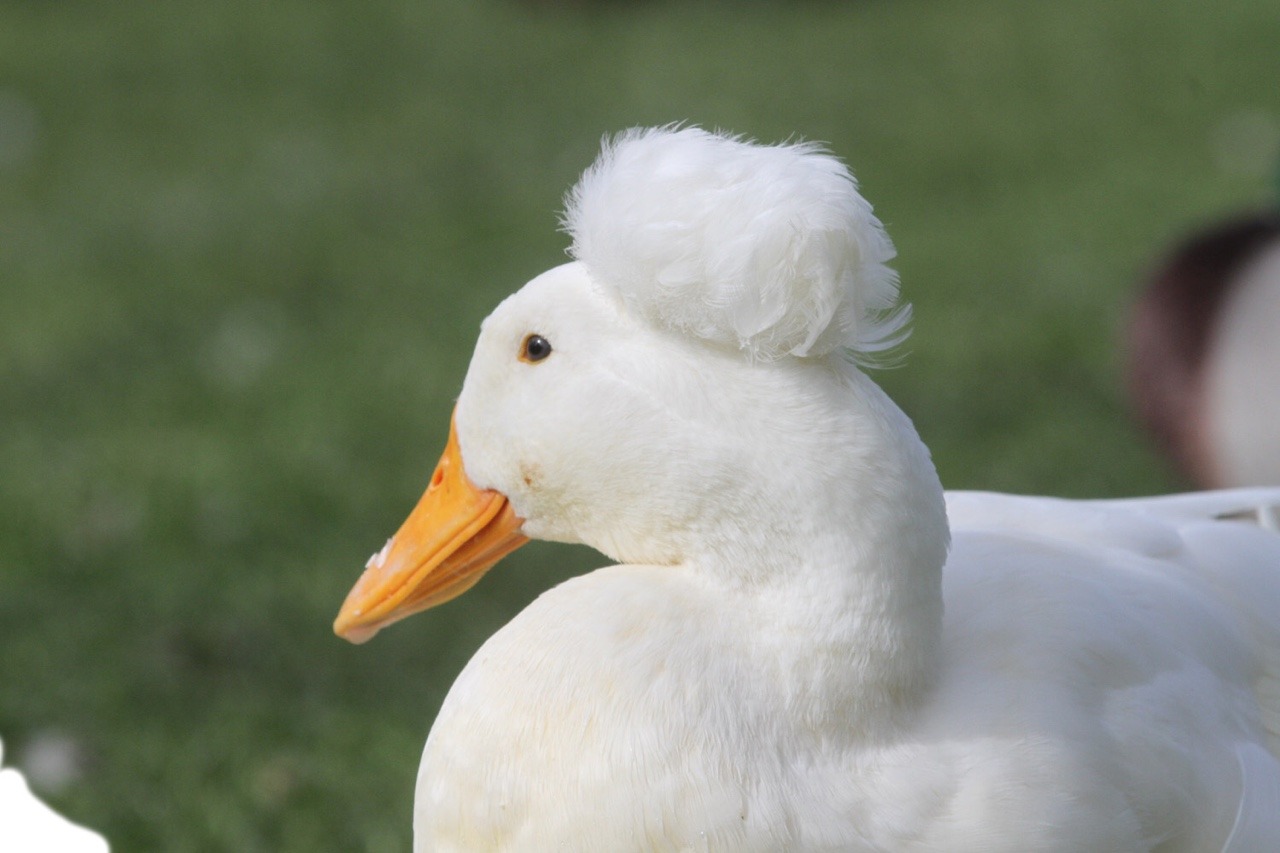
(677, 378)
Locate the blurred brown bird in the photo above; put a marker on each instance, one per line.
(1204, 353)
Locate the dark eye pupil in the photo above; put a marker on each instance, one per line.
(536, 348)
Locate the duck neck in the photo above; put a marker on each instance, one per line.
(850, 558)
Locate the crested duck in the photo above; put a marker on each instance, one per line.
(796, 649)
(27, 825)
(1204, 353)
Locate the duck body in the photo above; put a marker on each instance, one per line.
(669, 693)
(1096, 688)
(805, 644)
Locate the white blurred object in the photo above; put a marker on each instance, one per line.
(27, 825)
(1242, 382)
(52, 761)
(1204, 354)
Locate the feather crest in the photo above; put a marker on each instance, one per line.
(764, 248)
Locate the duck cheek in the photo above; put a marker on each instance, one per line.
(550, 513)
(531, 475)
(539, 528)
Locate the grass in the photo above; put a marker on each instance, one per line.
(245, 249)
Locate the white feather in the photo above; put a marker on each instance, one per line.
(767, 249)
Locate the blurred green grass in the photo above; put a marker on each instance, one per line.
(244, 249)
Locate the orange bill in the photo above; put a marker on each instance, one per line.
(453, 536)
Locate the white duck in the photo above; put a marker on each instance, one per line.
(27, 825)
(1204, 353)
(769, 667)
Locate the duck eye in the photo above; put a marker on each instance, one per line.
(535, 348)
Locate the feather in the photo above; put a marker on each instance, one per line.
(766, 249)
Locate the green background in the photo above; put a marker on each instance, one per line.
(245, 248)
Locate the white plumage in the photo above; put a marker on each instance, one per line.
(765, 249)
(780, 660)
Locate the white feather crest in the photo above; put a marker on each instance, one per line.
(767, 249)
